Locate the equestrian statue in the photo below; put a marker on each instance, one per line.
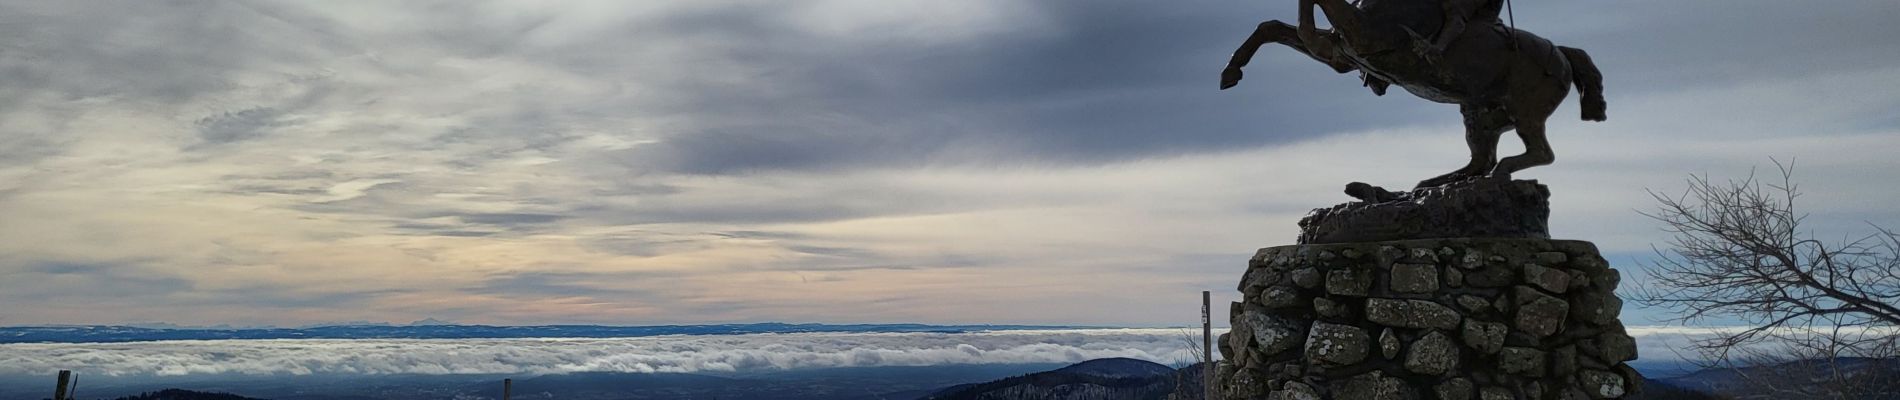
(1447, 51)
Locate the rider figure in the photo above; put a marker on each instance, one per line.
(1460, 14)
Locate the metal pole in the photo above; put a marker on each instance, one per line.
(1207, 345)
(73, 392)
(65, 377)
(507, 387)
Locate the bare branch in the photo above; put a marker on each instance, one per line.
(1738, 250)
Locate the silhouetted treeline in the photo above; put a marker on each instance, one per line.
(181, 394)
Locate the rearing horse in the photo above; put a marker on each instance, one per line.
(1501, 78)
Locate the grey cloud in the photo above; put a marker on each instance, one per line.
(509, 219)
(152, 50)
(42, 280)
(552, 284)
(440, 230)
(237, 126)
(289, 297)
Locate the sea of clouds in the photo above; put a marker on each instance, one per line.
(708, 353)
(704, 353)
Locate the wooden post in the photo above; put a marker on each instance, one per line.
(1207, 345)
(507, 388)
(65, 377)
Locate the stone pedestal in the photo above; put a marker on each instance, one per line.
(1475, 208)
(1453, 319)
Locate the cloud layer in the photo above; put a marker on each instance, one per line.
(732, 353)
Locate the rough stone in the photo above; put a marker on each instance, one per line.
(1256, 278)
(1271, 334)
(1454, 389)
(1632, 381)
(1552, 258)
(1551, 280)
(1221, 343)
(1616, 347)
(1281, 297)
(1485, 337)
(1471, 260)
(1538, 313)
(1389, 255)
(1433, 354)
(1371, 386)
(1305, 277)
(1605, 278)
(1335, 344)
(1330, 309)
(1563, 361)
(1295, 391)
(1596, 308)
(1349, 282)
(1495, 393)
(1424, 255)
(1388, 344)
(1473, 304)
(1242, 384)
(1521, 360)
(1579, 280)
(1414, 278)
(1454, 277)
(1491, 275)
(1411, 314)
(1572, 393)
(1601, 384)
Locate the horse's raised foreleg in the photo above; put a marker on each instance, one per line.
(1483, 126)
(1278, 32)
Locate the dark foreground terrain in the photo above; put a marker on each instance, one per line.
(1103, 379)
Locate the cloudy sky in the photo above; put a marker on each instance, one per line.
(970, 161)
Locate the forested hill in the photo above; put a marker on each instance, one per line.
(180, 394)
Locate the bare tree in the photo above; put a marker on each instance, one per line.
(1812, 307)
(1188, 385)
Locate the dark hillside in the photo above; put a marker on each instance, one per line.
(181, 394)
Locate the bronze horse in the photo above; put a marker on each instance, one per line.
(1501, 78)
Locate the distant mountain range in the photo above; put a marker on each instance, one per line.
(1101, 379)
(1807, 377)
(179, 394)
(433, 330)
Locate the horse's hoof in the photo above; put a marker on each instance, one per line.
(1229, 78)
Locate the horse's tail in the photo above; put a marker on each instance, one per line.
(1589, 83)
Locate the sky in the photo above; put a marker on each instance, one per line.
(972, 161)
